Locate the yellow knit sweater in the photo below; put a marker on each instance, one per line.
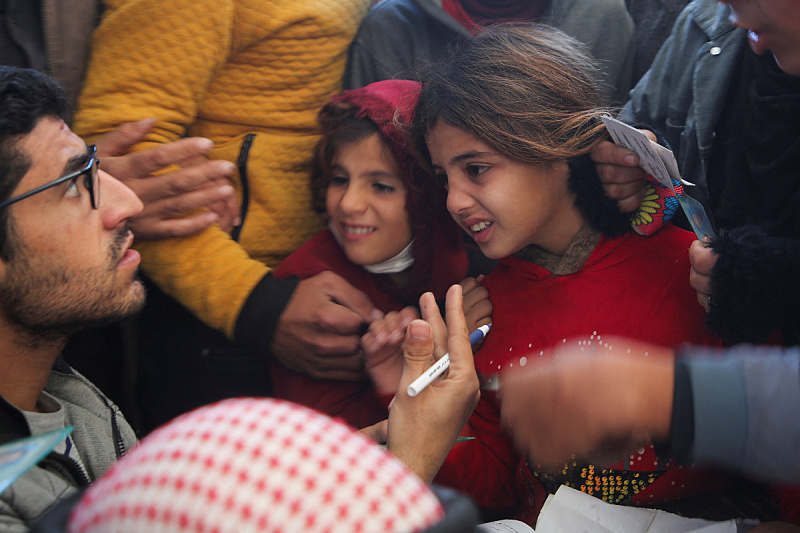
(224, 69)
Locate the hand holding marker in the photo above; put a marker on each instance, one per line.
(443, 364)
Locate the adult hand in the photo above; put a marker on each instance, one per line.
(383, 349)
(423, 428)
(619, 171)
(198, 183)
(477, 305)
(702, 259)
(552, 410)
(318, 333)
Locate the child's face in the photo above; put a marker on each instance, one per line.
(366, 202)
(503, 204)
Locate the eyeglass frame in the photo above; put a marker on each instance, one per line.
(91, 181)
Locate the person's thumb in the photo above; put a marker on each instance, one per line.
(418, 349)
(120, 140)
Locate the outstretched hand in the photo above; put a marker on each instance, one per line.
(552, 411)
(383, 343)
(422, 429)
(198, 184)
(319, 331)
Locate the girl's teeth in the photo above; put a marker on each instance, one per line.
(359, 231)
(479, 226)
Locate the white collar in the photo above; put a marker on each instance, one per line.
(398, 263)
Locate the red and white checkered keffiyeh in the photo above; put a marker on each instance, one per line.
(256, 465)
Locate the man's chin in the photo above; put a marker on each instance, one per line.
(131, 305)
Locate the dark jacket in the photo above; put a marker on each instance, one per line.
(684, 96)
(399, 36)
(51, 36)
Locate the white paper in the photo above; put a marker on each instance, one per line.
(572, 511)
(506, 526)
(653, 158)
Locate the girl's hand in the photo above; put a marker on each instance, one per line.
(383, 347)
(477, 305)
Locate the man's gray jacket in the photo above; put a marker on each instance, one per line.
(101, 436)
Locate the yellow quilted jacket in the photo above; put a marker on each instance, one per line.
(228, 70)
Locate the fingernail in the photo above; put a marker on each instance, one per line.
(376, 314)
(227, 189)
(630, 159)
(205, 144)
(149, 121)
(418, 330)
(225, 167)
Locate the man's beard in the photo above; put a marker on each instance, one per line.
(49, 302)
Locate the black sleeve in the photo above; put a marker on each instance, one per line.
(754, 287)
(682, 430)
(259, 316)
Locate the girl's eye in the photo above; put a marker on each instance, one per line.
(382, 188)
(73, 191)
(337, 181)
(473, 171)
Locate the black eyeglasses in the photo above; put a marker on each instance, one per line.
(90, 180)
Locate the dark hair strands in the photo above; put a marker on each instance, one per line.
(533, 94)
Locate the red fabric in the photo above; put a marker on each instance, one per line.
(456, 10)
(355, 402)
(632, 286)
(788, 497)
(493, 11)
(473, 15)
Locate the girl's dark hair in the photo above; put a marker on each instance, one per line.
(533, 94)
(339, 126)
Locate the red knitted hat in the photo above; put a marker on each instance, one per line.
(256, 465)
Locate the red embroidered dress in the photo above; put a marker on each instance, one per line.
(631, 286)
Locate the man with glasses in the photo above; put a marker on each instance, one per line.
(65, 264)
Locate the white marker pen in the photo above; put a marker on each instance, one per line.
(443, 364)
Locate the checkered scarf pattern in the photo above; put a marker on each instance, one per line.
(256, 465)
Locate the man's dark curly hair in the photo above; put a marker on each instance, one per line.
(26, 96)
